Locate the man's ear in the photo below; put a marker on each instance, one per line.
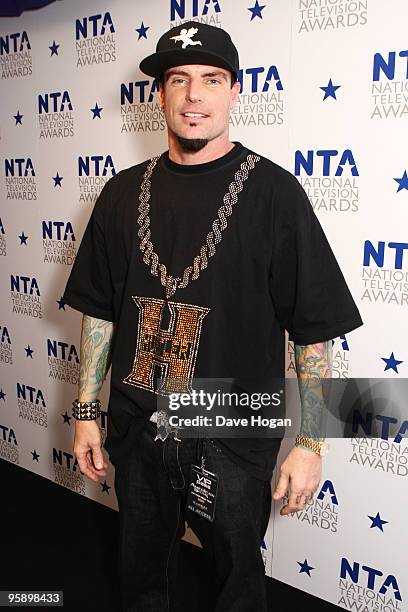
(235, 92)
(161, 95)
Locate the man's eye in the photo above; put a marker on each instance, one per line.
(180, 80)
(213, 81)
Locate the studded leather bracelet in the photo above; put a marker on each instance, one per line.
(86, 411)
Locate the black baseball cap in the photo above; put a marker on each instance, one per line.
(192, 43)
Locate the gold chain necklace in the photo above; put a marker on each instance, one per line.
(150, 257)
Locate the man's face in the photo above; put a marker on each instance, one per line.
(197, 101)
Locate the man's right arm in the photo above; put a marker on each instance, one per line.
(96, 340)
(95, 359)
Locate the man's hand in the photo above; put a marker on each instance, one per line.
(87, 449)
(303, 470)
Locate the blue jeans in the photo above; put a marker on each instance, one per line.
(151, 483)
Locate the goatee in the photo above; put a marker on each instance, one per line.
(192, 144)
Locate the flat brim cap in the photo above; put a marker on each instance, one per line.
(192, 43)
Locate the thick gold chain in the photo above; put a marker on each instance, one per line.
(150, 257)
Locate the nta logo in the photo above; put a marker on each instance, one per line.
(388, 66)
(373, 577)
(55, 102)
(377, 253)
(19, 167)
(197, 8)
(14, 43)
(96, 165)
(328, 160)
(94, 25)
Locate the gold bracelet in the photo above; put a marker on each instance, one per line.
(319, 445)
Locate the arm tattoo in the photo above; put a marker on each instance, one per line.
(313, 363)
(95, 358)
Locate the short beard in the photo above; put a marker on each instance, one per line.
(192, 144)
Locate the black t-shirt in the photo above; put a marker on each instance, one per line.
(272, 270)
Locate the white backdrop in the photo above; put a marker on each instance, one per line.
(324, 94)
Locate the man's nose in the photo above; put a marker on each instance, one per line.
(194, 92)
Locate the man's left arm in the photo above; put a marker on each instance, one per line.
(302, 469)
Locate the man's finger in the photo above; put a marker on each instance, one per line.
(308, 495)
(91, 468)
(302, 500)
(97, 457)
(90, 471)
(85, 465)
(293, 504)
(82, 462)
(281, 487)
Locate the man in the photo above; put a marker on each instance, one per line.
(192, 265)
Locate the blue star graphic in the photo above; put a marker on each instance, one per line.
(402, 182)
(54, 48)
(96, 111)
(105, 487)
(29, 351)
(2, 395)
(57, 180)
(377, 521)
(330, 90)
(142, 31)
(305, 567)
(35, 455)
(61, 303)
(67, 419)
(18, 118)
(256, 10)
(391, 362)
(23, 239)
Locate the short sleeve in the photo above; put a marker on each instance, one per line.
(311, 298)
(89, 288)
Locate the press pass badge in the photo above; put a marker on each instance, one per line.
(202, 491)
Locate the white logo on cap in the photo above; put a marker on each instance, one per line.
(185, 37)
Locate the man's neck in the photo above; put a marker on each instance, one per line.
(212, 150)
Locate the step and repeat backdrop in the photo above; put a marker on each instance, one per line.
(324, 93)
